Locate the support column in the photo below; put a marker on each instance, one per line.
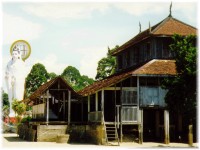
(88, 107)
(69, 107)
(140, 126)
(140, 113)
(47, 117)
(166, 126)
(96, 101)
(121, 132)
(64, 112)
(102, 100)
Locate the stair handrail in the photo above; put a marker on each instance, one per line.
(104, 125)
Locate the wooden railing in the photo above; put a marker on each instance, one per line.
(129, 114)
(95, 116)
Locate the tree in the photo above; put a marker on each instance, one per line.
(19, 108)
(37, 76)
(74, 78)
(107, 65)
(5, 99)
(52, 75)
(71, 75)
(181, 96)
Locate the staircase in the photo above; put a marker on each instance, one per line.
(111, 132)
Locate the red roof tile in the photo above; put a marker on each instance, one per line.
(153, 67)
(168, 27)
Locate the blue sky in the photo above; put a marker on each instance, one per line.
(78, 34)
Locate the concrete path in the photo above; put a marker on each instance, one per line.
(13, 141)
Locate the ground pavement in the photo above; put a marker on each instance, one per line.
(11, 140)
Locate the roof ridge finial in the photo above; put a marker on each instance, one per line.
(170, 10)
(139, 26)
(149, 27)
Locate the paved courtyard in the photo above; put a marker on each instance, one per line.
(13, 141)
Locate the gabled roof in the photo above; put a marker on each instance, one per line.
(154, 67)
(167, 27)
(43, 88)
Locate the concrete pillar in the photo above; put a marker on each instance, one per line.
(190, 135)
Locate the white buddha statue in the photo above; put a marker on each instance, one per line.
(15, 78)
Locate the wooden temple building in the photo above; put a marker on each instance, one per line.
(132, 99)
(130, 102)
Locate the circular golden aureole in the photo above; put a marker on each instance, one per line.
(24, 43)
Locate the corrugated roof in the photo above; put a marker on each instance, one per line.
(168, 27)
(153, 67)
(47, 85)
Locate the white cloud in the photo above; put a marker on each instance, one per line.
(64, 10)
(51, 64)
(89, 61)
(141, 8)
(15, 28)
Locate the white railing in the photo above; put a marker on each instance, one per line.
(95, 116)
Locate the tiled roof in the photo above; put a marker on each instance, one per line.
(153, 67)
(168, 27)
(157, 67)
(47, 85)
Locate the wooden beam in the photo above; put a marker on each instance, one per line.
(58, 89)
(69, 107)
(45, 96)
(111, 88)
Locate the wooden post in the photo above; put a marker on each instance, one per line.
(140, 113)
(69, 107)
(166, 126)
(190, 135)
(82, 110)
(64, 112)
(96, 101)
(140, 126)
(121, 132)
(88, 107)
(102, 100)
(47, 117)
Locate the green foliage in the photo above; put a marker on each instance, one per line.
(74, 78)
(26, 119)
(181, 96)
(6, 110)
(37, 76)
(107, 65)
(18, 107)
(5, 99)
(52, 75)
